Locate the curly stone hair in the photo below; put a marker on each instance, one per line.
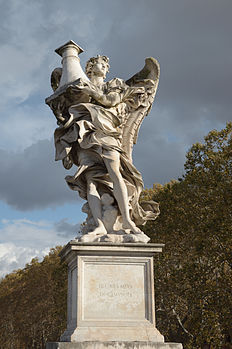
(91, 61)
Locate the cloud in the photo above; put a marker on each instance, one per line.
(32, 179)
(24, 125)
(13, 257)
(192, 43)
(66, 229)
(29, 233)
(163, 160)
(23, 239)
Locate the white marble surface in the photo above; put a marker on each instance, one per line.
(98, 124)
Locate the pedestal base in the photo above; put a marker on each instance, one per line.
(113, 345)
(110, 292)
(111, 297)
(123, 333)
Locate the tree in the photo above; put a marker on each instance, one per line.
(194, 274)
(33, 304)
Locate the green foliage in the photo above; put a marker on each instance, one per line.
(33, 304)
(194, 273)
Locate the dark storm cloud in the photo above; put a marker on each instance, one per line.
(31, 179)
(66, 229)
(192, 41)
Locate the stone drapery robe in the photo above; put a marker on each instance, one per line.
(91, 130)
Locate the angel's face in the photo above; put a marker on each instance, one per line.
(99, 67)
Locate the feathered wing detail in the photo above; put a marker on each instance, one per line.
(147, 82)
(142, 89)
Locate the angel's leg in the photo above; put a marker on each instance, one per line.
(112, 162)
(94, 202)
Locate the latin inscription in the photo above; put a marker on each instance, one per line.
(115, 290)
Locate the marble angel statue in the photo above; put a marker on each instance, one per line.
(98, 123)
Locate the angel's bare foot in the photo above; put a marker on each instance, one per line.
(131, 225)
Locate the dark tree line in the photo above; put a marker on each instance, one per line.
(194, 273)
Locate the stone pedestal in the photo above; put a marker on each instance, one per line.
(110, 297)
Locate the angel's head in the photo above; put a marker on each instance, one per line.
(97, 66)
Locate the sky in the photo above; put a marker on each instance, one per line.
(191, 40)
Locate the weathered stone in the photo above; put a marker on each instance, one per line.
(98, 124)
(110, 292)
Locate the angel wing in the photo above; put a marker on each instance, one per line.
(148, 78)
(55, 78)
